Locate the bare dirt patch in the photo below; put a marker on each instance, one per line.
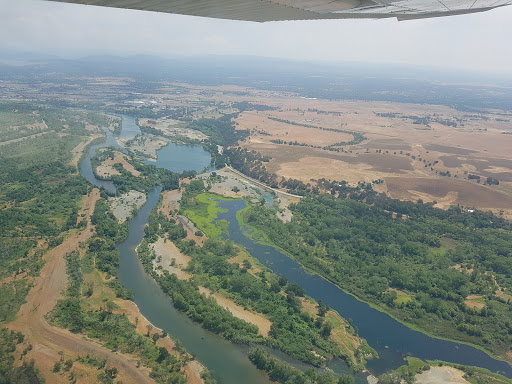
(287, 160)
(264, 130)
(79, 149)
(170, 202)
(146, 144)
(191, 229)
(463, 269)
(284, 214)
(403, 140)
(123, 206)
(289, 196)
(230, 181)
(170, 258)
(106, 169)
(473, 301)
(442, 202)
(441, 375)
(170, 127)
(447, 149)
(468, 193)
(257, 319)
(193, 370)
(308, 168)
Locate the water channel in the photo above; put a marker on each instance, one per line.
(392, 340)
(229, 362)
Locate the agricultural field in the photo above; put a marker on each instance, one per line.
(428, 152)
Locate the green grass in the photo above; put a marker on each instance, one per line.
(255, 234)
(403, 298)
(204, 210)
(12, 296)
(39, 151)
(477, 300)
(415, 364)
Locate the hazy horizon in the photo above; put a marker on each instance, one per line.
(475, 42)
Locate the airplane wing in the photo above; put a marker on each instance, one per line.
(277, 10)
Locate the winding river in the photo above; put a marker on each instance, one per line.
(229, 362)
(392, 339)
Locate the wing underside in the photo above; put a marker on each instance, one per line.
(277, 10)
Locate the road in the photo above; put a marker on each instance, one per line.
(42, 298)
(263, 185)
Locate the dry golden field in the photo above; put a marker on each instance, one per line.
(411, 147)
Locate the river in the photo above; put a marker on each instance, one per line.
(229, 362)
(390, 338)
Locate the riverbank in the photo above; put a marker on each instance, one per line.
(125, 205)
(203, 210)
(260, 238)
(192, 368)
(48, 340)
(441, 375)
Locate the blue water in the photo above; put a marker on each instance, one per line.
(228, 361)
(86, 166)
(179, 158)
(130, 127)
(174, 157)
(392, 340)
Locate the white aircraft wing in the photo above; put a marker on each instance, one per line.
(277, 10)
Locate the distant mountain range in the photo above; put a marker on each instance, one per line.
(347, 80)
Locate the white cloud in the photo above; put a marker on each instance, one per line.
(476, 41)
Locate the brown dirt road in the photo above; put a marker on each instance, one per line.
(79, 149)
(24, 138)
(263, 185)
(48, 340)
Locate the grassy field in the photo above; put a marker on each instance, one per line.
(203, 211)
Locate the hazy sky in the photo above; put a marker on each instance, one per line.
(478, 41)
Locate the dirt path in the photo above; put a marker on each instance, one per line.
(78, 150)
(257, 319)
(24, 137)
(260, 184)
(48, 340)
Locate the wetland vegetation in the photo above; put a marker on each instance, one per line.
(421, 264)
(224, 268)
